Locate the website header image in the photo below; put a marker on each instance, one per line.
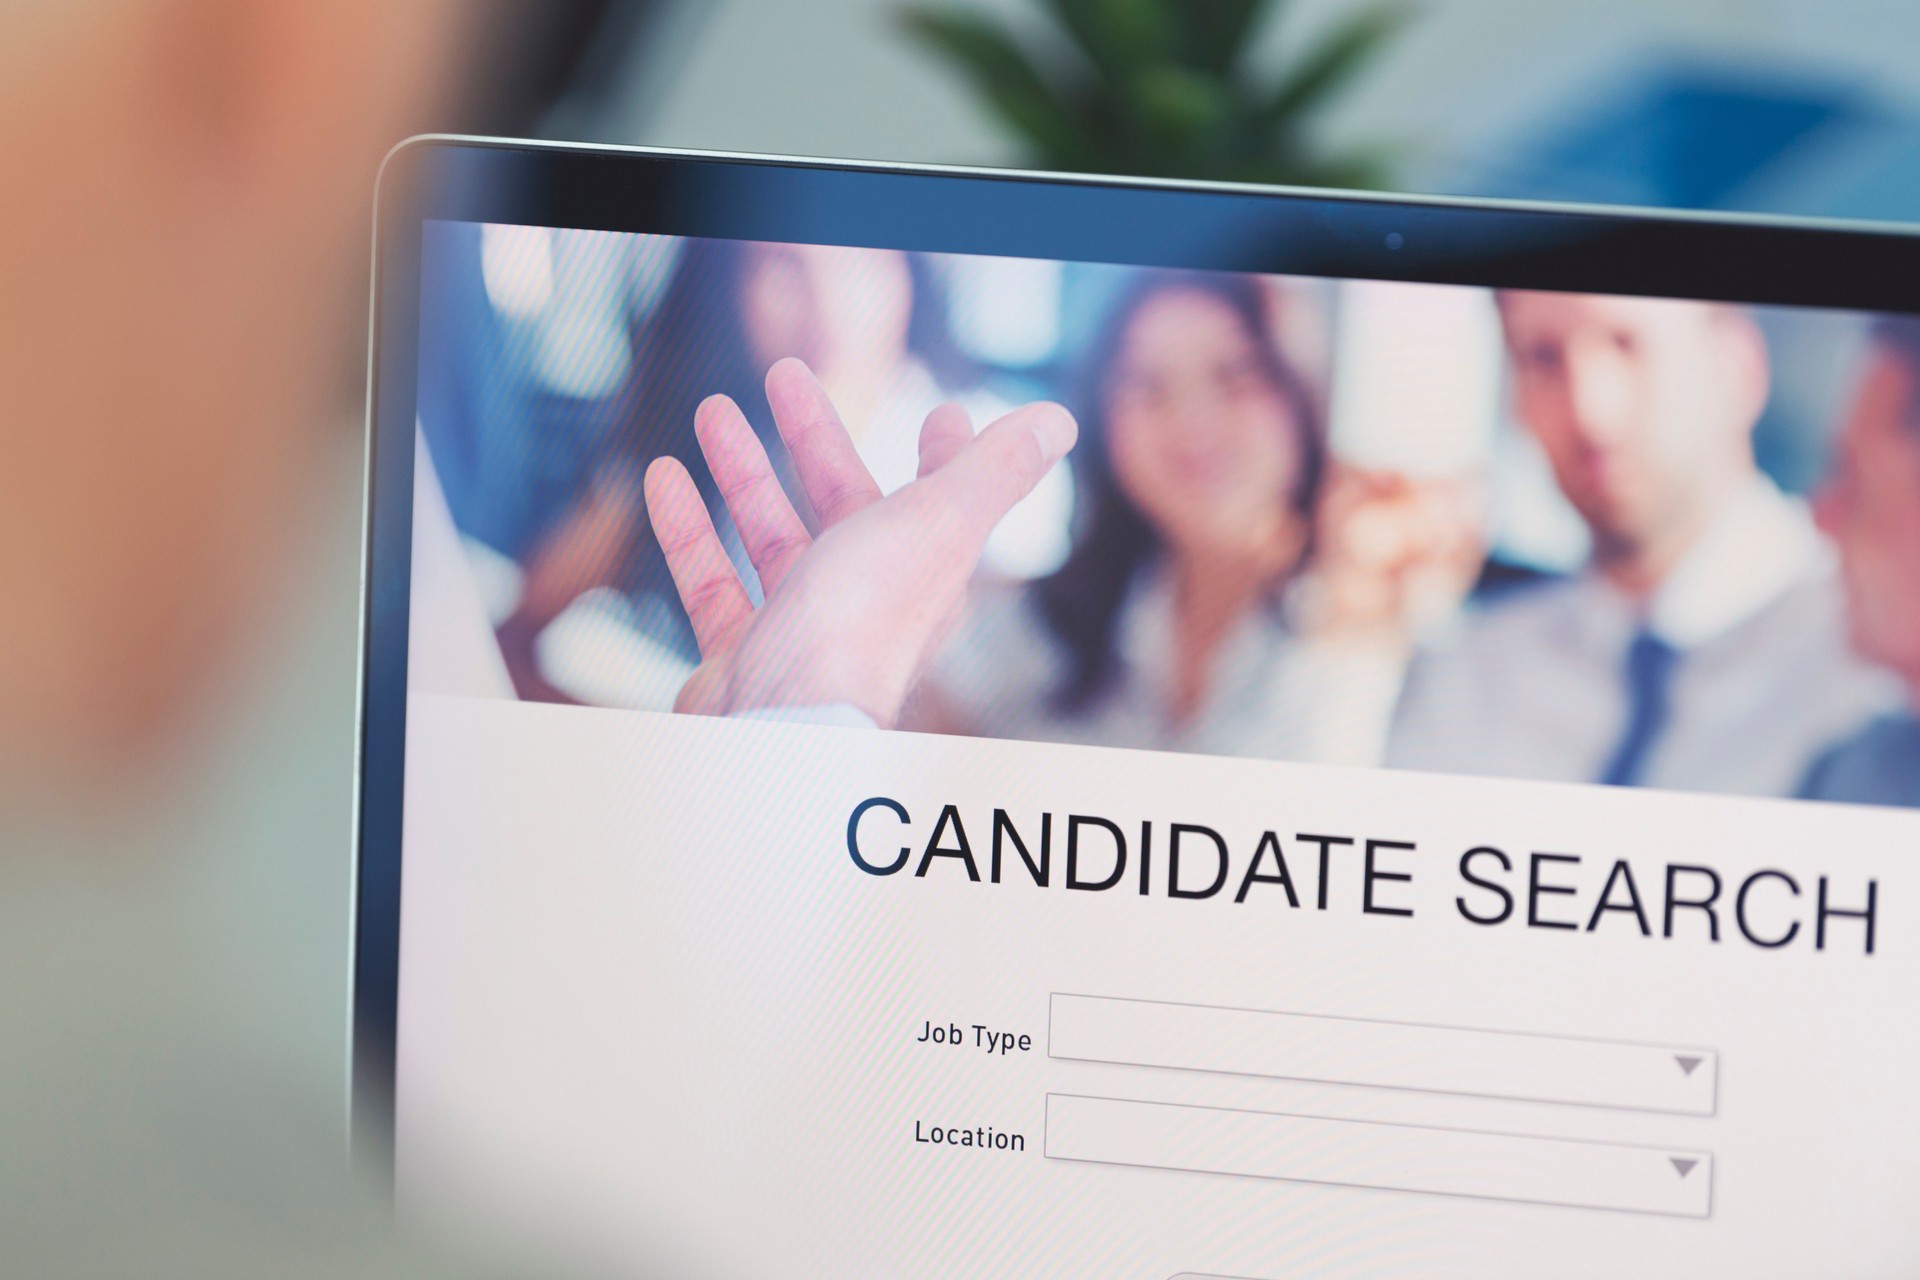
(1563, 537)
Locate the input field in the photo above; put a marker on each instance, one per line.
(1679, 1079)
(1675, 1182)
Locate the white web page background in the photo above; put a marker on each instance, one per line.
(645, 991)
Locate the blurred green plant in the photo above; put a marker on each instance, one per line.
(1162, 88)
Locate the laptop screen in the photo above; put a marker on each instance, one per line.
(932, 764)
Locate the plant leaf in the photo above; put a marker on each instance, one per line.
(1159, 86)
(1118, 37)
(1358, 170)
(1182, 110)
(1215, 33)
(1333, 61)
(1006, 77)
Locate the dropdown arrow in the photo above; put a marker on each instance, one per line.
(1687, 1064)
(1681, 1166)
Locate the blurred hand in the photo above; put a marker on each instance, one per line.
(854, 615)
(1397, 552)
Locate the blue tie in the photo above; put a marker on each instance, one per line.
(1649, 673)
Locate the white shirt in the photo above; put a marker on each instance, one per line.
(1275, 693)
(1534, 686)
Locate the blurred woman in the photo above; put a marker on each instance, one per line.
(1177, 621)
(871, 322)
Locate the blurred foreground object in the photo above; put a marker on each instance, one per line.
(1161, 88)
(182, 267)
(172, 281)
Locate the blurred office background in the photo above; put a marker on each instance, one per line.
(1796, 106)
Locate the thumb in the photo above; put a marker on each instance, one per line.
(704, 693)
(1000, 466)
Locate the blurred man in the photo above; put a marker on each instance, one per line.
(1700, 648)
(1871, 508)
(182, 248)
(183, 236)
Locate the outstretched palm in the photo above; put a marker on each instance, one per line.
(851, 616)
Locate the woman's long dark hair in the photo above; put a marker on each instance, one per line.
(1081, 602)
(694, 345)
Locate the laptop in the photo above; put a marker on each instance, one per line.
(925, 721)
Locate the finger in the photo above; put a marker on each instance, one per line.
(768, 525)
(709, 588)
(704, 692)
(945, 433)
(999, 467)
(836, 480)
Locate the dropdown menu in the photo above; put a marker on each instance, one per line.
(1385, 1157)
(1679, 1079)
